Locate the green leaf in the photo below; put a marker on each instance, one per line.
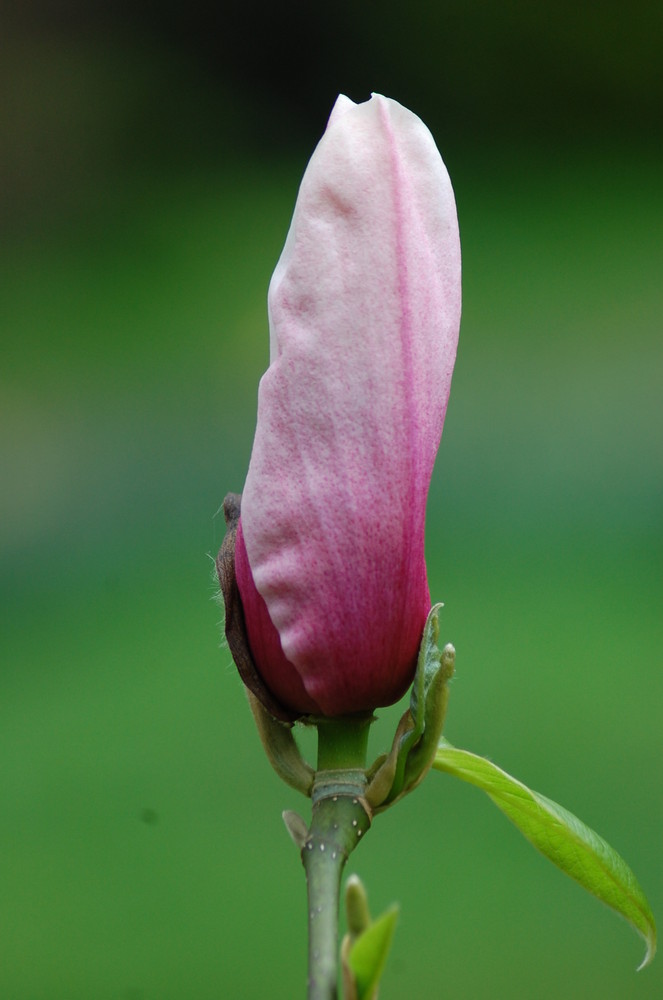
(369, 952)
(560, 836)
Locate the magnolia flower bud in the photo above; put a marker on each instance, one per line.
(364, 309)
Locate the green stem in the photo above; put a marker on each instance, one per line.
(337, 826)
(342, 743)
(340, 818)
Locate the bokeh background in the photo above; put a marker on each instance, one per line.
(151, 154)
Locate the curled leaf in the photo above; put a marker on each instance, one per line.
(366, 956)
(420, 727)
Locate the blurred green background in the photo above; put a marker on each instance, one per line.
(151, 155)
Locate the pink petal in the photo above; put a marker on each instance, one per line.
(280, 675)
(364, 315)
